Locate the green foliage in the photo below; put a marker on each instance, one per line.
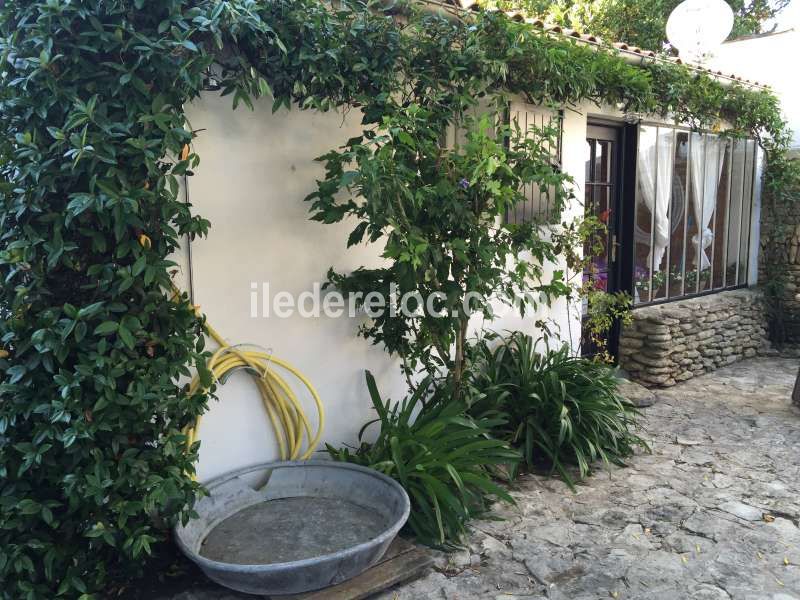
(780, 205)
(438, 211)
(547, 70)
(637, 22)
(91, 451)
(93, 468)
(305, 52)
(559, 410)
(435, 208)
(604, 309)
(442, 457)
(402, 184)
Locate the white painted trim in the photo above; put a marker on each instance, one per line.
(755, 219)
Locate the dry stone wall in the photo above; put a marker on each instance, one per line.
(791, 297)
(673, 342)
(780, 244)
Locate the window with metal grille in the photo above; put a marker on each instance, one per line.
(693, 214)
(538, 205)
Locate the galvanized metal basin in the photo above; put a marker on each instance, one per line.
(313, 524)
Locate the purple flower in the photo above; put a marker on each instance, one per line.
(463, 184)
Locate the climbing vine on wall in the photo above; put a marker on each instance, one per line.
(92, 466)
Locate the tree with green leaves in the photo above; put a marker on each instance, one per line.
(96, 343)
(637, 22)
(439, 214)
(438, 210)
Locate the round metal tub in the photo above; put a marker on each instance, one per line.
(291, 527)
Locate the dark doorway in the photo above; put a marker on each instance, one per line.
(603, 200)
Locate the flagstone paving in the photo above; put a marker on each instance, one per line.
(711, 514)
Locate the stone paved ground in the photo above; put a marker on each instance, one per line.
(712, 513)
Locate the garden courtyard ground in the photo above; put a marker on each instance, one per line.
(712, 513)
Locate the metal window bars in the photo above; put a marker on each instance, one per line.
(537, 206)
(683, 274)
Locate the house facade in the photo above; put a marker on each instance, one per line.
(761, 56)
(682, 210)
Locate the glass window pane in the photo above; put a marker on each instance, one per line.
(693, 212)
(598, 197)
(747, 198)
(734, 220)
(705, 210)
(697, 168)
(602, 171)
(643, 216)
(665, 152)
(721, 220)
(678, 213)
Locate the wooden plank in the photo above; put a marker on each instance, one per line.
(402, 562)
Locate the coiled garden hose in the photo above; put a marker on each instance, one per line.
(289, 421)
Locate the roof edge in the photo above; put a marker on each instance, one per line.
(631, 54)
(759, 36)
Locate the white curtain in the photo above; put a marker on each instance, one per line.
(738, 151)
(655, 181)
(707, 156)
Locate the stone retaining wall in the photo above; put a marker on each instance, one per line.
(673, 342)
(791, 264)
(780, 243)
(792, 297)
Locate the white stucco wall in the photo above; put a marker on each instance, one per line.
(769, 60)
(256, 169)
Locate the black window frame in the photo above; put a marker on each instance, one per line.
(750, 180)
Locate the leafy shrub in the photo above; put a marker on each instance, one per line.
(93, 465)
(558, 409)
(443, 458)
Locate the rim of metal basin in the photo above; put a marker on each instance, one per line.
(389, 533)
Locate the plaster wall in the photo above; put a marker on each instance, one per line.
(768, 60)
(256, 169)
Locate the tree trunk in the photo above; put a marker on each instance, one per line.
(796, 392)
(458, 369)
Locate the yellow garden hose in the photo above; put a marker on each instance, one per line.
(285, 412)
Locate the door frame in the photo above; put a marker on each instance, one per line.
(620, 270)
